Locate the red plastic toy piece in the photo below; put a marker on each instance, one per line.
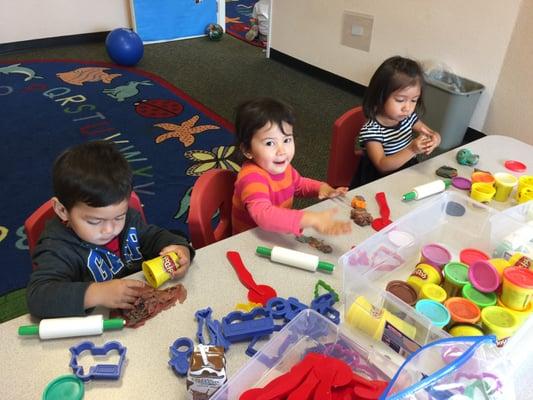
(256, 293)
(380, 223)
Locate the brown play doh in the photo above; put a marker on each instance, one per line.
(403, 291)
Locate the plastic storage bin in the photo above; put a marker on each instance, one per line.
(382, 258)
(309, 331)
(450, 101)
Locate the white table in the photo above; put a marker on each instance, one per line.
(28, 363)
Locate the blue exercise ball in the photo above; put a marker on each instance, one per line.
(124, 46)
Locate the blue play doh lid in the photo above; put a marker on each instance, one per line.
(435, 311)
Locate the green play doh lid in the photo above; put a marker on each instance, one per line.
(481, 299)
(456, 273)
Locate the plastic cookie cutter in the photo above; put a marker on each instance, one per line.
(321, 284)
(324, 305)
(490, 382)
(99, 371)
(181, 351)
(214, 329)
(238, 326)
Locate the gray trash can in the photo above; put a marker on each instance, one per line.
(450, 101)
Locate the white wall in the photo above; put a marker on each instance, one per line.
(36, 19)
(512, 104)
(471, 37)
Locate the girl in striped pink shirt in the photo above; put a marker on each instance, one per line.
(267, 183)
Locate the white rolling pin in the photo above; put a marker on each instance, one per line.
(54, 328)
(295, 258)
(428, 189)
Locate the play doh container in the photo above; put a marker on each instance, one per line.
(470, 255)
(524, 182)
(435, 254)
(500, 264)
(455, 277)
(517, 288)
(482, 192)
(524, 195)
(465, 330)
(403, 291)
(433, 292)
(504, 184)
(371, 320)
(462, 310)
(521, 316)
(434, 311)
(483, 276)
(521, 260)
(482, 177)
(500, 322)
(480, 299)
(423, 274)
(158, 270)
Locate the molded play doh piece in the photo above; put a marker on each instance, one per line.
(99, 371)
(461, 183)
(64, 387)
(462, 310)
(483, 276)
(436, 312)
(515, 166)
(480, 299)
(470, 255)
(455, 209)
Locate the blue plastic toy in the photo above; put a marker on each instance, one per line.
(124, 47)
(214, 329)
(181, 351)
(99, 371)
(324, 305)
(238, 326)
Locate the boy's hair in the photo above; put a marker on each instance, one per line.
(95, 173)
(253, 114)
(393, 74)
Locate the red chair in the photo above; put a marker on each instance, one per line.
(344, 159)
(34, 224)
(212, 191)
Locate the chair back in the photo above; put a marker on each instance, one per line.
(212, 191)
(343, 158)
(34, 224)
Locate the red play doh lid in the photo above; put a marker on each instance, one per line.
(519, 277)
(515, 166)
(483, 276)
(470, 255)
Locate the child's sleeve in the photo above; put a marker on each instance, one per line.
(255, 194)
(305, 187)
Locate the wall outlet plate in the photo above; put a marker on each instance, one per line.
(356, 30)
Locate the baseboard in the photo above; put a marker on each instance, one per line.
(83, 38)
(343, 83)
(326, 76)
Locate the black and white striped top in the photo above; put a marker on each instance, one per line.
(392, 139)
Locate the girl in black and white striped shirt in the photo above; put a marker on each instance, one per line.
(393, 135)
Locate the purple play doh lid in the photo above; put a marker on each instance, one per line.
(436, 255)
(461, 183)
(483, 276)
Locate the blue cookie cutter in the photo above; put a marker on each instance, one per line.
(181, 351)
(238, 326)
(324, 305)
(99, 371)
(214, 329)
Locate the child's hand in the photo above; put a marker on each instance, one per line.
(117, 293)
(420, 144)
(184, 258)
(434, 142)
(327, 192)
(323, 222)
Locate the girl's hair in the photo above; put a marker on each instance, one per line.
(94, 173)
(253, 114)
(393, 74)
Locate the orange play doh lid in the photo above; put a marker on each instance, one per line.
(462, 310)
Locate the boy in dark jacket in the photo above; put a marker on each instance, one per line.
(95, 238)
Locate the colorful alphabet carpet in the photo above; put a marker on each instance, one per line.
(238, 14)
(168, 138)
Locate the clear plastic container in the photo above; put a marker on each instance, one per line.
(378, 260)
(309, 331)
